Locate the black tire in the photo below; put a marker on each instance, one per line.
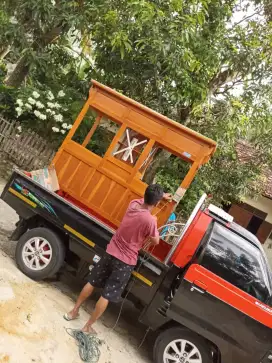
(172, 334)
(57, 259)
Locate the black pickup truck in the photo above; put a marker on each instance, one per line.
(210, 299)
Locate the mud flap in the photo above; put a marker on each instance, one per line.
(21, 228)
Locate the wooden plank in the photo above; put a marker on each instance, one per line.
(92, 131)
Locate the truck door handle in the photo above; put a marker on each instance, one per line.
(194, 288)
(198, 286)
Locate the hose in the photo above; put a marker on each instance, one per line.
(88, 345)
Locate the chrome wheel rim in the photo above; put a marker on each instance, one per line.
(181, 351)
(37, 253)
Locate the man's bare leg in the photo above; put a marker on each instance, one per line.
(85, 293)
(100, 308)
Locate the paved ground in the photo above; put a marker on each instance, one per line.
(31, 325)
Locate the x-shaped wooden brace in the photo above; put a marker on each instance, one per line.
(130, 147)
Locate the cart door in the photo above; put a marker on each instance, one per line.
(223, 298)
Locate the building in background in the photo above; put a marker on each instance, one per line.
(255, 214)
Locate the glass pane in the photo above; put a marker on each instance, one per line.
(236, 261)
(130, 146)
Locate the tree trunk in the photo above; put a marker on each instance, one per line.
(19, 74)
(16, 78)
(159, 160)
(4, 51)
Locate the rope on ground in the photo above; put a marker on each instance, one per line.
(88, 345)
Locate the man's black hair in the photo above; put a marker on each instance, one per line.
(153, 194)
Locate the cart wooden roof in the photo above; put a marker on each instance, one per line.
(172, 136)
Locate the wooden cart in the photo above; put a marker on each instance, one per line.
(104, 186)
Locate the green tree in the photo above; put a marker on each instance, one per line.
(41, 23)
(181, 58)
(185, 59)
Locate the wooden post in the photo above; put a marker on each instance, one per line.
(77, 122)
(141, 159)
(186, 182)
(92, 131)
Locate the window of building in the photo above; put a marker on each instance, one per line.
(237, 261)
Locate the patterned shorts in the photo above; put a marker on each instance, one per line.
(111, 275)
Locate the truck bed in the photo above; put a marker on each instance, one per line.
(88, 235)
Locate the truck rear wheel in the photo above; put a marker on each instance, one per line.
(178, 345)
(39, 253)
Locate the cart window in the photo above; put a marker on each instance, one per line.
(130, 146)
(236, 261)
(168, 173)
(96, 132)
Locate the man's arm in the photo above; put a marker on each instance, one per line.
(154, 240)
(154, 235)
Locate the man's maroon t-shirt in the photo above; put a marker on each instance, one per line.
(137, 225)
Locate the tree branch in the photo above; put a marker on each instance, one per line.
(219, 79)
(246, 18)
(78, 53)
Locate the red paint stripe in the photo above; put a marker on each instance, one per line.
(231, 294)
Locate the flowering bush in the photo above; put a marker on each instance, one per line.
(49, 110)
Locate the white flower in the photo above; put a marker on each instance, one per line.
(64, 126)
(31, 101)
(35, 94)
(51, 112)
(17, 135)
(19, 102)
(19, 111)
(19, 128)
(39, 104)
(55, 129)
(173, 84)
(53, 2)
(37, 113)
(69, 127)
(50, 96)
(42, 117)
(61, 94)
(53, 105)
(174, 14)
(28, 106)
(58, 118)
(62, 131)
(13, 20)
(50, 104)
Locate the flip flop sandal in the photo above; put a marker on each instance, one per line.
(66, 317)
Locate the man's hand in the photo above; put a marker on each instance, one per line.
(154, 240)
(168, 196)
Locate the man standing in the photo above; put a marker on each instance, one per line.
(113, 271)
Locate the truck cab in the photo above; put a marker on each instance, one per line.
(220, 297)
